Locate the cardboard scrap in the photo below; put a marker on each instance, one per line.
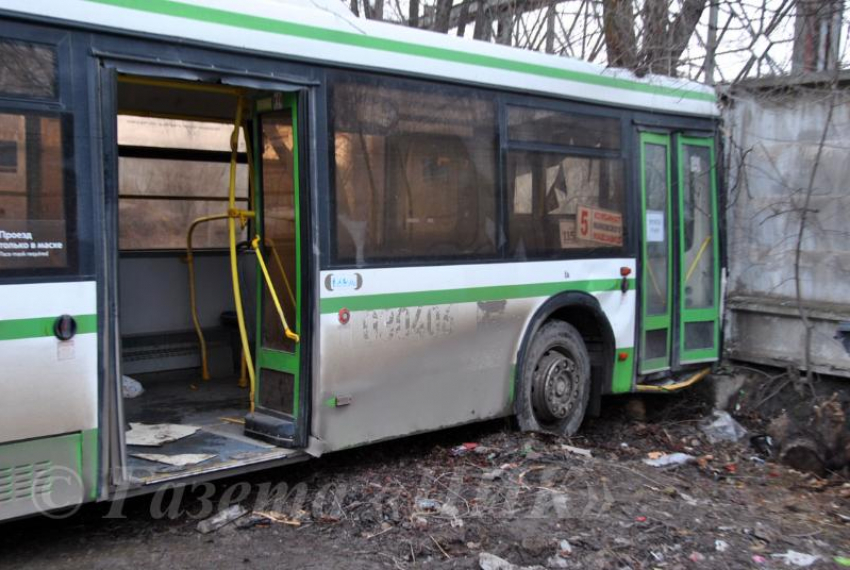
(154, 435)
(180, 460)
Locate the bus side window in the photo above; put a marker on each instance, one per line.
(34, 229)
(27, 70)
(37, 206)
(415, 171)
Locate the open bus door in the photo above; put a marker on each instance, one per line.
(279, 413)
(680, 287)
(258, 265)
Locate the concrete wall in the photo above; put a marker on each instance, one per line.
(771, 141)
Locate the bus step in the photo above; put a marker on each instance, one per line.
(674, 385)
(270, 428)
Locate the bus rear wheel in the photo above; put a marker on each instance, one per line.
(554, 388)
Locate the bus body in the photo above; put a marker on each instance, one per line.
(387, 228)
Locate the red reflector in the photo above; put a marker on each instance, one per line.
(344, 316)
(623, 356)
(625, 271)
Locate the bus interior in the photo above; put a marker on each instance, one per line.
(174, 161)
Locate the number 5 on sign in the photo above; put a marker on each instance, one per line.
(584, 222)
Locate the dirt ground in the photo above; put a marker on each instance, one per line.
(433, 502)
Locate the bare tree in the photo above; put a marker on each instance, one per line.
(619, 22)
(442, 15)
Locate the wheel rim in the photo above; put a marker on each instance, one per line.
(555, 387)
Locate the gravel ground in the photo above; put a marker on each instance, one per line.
(441, 500)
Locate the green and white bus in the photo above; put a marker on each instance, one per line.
(390, 231)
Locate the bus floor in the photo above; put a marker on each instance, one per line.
(214, 406)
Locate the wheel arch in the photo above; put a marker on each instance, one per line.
(584, 312)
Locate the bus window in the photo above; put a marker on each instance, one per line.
(27, 70)
(536, 125)
(34, 229)
(698, 228)
(415, 172)
(560, 202)
(171, 172)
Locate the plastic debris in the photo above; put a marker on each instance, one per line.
(428, 505)
(721, 545)
(463, 449)
(565, 548)
(557, 562)
(449, 510)
(696, 557)
(489, 561)
(670, 460)
(221, 519)
(842, 560)
(720, 426)
(131, 388)
(763, 444)
(577, 450)
(493, 475)
(794, 558)
(758, 559)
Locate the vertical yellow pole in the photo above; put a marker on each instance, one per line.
(234, 265)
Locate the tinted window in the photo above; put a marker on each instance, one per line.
(559, 202)
(416, 173)
(554, 127)
(34, 174)
(27, 69)
(171, 172)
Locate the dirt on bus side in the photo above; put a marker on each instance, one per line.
(646, 485)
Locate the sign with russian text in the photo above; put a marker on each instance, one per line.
(32, 244)
(600, 226)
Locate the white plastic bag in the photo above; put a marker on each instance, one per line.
(722, 427)
(131, 388)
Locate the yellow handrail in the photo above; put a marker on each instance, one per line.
(233, 215)
(701, 251)
(190, 262)
(279, 263)
(255, 244)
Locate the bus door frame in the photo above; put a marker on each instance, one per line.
(109, 66)
(674, 139)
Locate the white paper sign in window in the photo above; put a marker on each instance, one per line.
(654, 226)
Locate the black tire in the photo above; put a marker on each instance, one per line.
(554, 386)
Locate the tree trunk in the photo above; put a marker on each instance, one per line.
(655, 36)
(442, 16)
(378, 10)
(550, 28)
(505, 27)
(464, 15)
(681, 31)
(355, 9)
(413, 18)
(482, 22)
(618, 20)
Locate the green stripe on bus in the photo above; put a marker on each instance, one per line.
(269, 25)
(16, 329)
(470, 295)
